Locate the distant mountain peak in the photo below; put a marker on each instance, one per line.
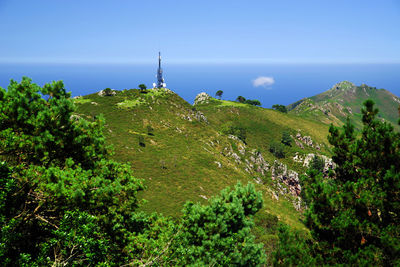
(345, 99)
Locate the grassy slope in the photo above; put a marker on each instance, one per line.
(178, 160)
(265, 126)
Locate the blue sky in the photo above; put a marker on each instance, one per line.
(61, 31)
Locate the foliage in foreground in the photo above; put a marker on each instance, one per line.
(354, 214)
(63, 202)
(219, 233)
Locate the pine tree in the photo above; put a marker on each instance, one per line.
(219, 233)
(354, 214)
(53, 163)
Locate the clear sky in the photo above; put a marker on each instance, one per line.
(253, 31)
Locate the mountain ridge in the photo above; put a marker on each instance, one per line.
(345, 99)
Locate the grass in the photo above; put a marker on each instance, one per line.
(224, 103)
(82, 100)
(126, 104)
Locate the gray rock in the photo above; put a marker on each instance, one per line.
(290, 178)
(200, 116)
(202, 98)
(242, 149)
(299, 144)
(233, 137)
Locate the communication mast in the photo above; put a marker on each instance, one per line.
(160, 79)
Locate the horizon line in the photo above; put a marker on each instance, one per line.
(191, 61)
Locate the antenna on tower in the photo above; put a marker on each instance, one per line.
(160, 79)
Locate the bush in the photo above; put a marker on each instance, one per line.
(254, 102)
(277, 150)
(317, 163)
(141, 141)
(241, 99)
(294, 249)
(150, 130)
(108, 92)
(142, 87)
(236, 130)
(286, 139)
(280, 108)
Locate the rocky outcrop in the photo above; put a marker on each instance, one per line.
(290, 178)
(235, 156)
(197, 115)
(200, 116)
(305, 139)
(298, 143)
(234, 137)
(286, 180)
(257, 163)
(202, 98)
(218, 164)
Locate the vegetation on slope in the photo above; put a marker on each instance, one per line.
(64, 202)
(185, 156)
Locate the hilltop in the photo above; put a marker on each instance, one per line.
(345, 99)
(186, 152)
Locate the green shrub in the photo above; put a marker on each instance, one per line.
(254, 102)
(277, 150)
(317, 163)
(219, 233)
(241, 99)
(280, 108)
(150, 130)
(141, 141)
(286, 139)
(142, 87)
(236, 130)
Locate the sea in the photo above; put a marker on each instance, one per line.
(286, 83)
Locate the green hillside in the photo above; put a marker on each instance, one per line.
(345, 99)
(183, 152)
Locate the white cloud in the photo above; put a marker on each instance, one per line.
(263, 81)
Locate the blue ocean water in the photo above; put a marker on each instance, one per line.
(292, 81)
